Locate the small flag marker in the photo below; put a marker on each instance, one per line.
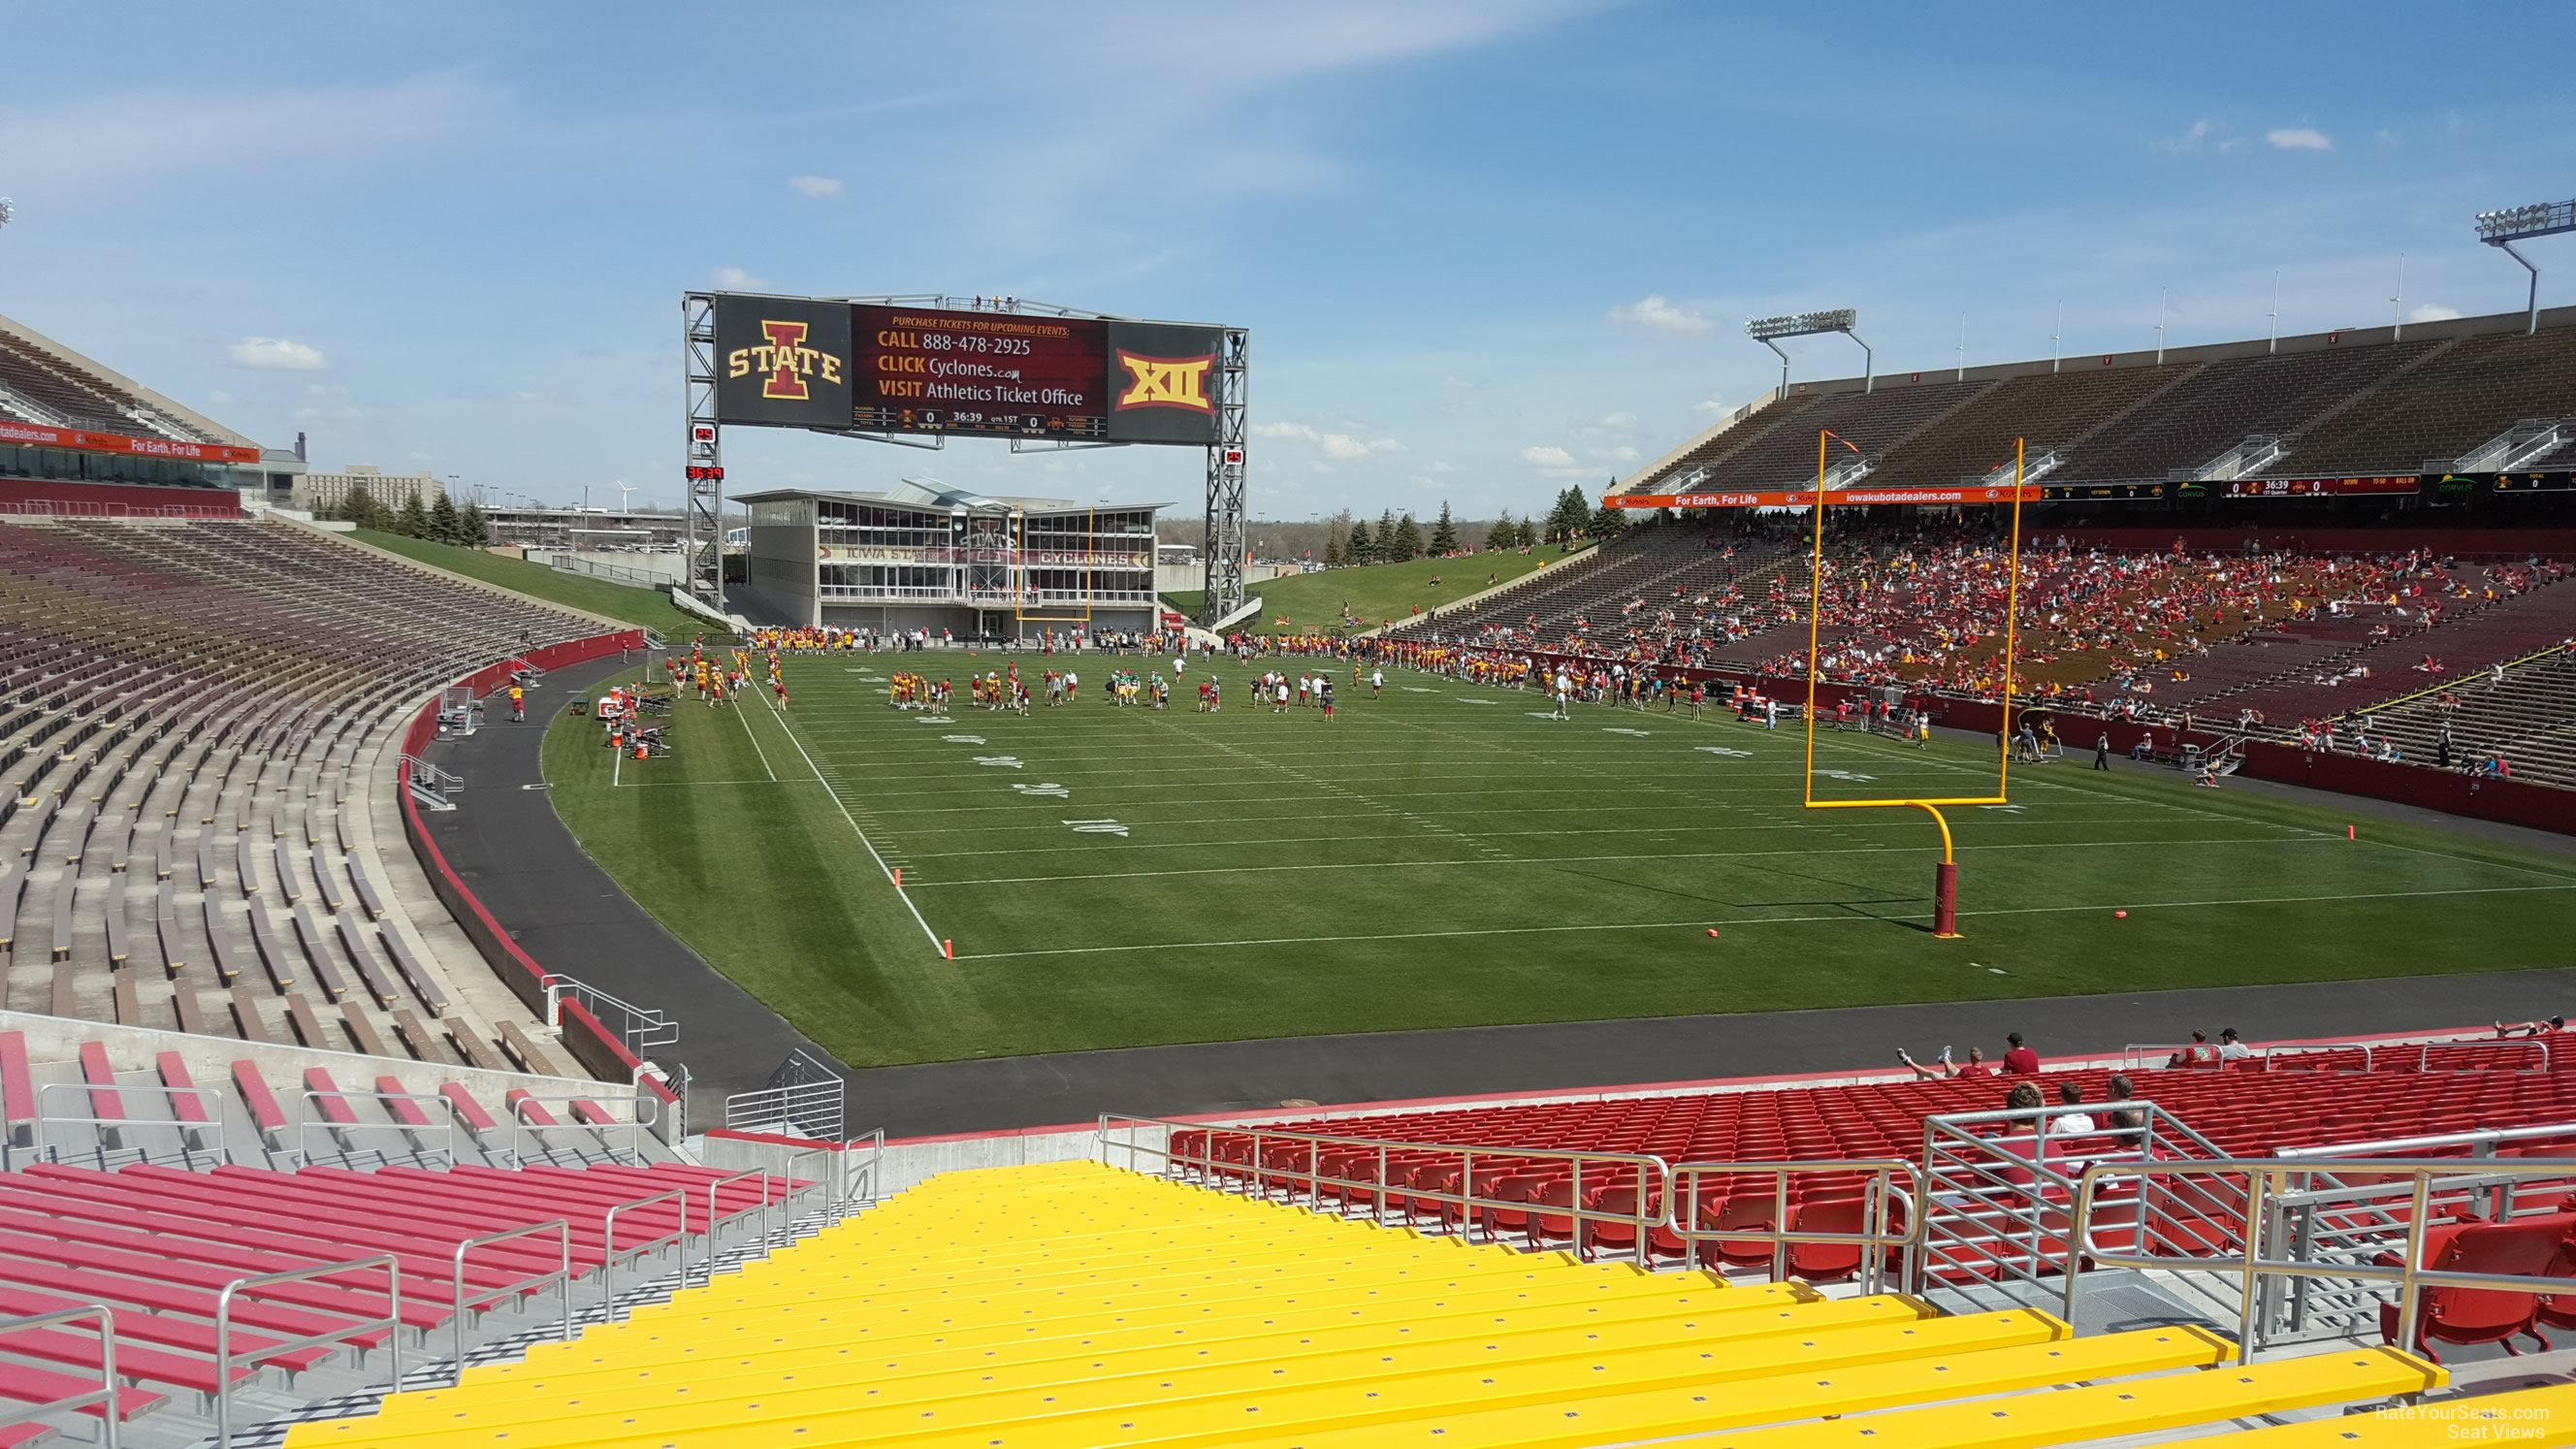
(947, 949)
(2348, 835)
(2119, 915)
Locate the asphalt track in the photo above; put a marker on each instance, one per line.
(513, 851)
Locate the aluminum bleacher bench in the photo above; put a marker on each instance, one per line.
(366, 888)
(316, 946)
(363, 961)
(13, 884)
(187, 1107)
(260, 1102)
(243, 862)
(473, 1048)
(127, 1002)
(417, 1039)
(330, 1102)
(306, 1026)
(227, 959)
(516, 1046)
(64, 886)
(246, 1016)
(288, 887)
(190, 1011)
(28, 1384)
(362, 1031)
(408, 966)
(275, 956)
(66, 990)
(116, 944)
(398, 1103)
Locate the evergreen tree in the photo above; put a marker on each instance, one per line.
(1566, 519)
(413, 520)
(443, 519)
(1332, 550)
(1444, 533)
(1608, 523)
(473, 528)
(1362, 548)
(1408, 541)
(1504, 533)
(1386, 551)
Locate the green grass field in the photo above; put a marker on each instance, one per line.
(1447, 857)
(1376, 593)
(651, 608)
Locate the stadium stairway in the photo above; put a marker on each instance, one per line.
(1079, 1305)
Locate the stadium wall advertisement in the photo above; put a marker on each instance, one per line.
(56, 498)
(83, 440)
(805, 362)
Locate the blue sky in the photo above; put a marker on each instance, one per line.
(1484, 248)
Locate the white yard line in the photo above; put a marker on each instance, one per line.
(864, 843)
(755, 739)
(1747, 921)
(1909, 849)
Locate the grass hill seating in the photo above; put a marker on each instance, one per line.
(190, 721)
(1075, 1304)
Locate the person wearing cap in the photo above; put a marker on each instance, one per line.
(2230, 1049)
(2019, 1060)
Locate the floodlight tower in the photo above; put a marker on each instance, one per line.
(8, 209)
(2501, 229)
(1766, 330)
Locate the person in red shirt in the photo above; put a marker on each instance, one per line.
(1975, 1066)
(2019, 1060)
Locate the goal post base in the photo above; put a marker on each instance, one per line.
(1945, 901)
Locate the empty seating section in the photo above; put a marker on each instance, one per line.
(158, 1246)
(1074, 1304)
(2312, 1100)
(189, 715)
(2048, 410)
(1784, 418)
(2472, 391)
(2212, 412)
(1783, 455)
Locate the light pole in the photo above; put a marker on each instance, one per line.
(1767, 331)
(2396, 304)
(2160, 324)
(2501, 229)
(2056, 334)
(2274, 345)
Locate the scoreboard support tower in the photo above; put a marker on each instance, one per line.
(1225, 507)
(702, 518)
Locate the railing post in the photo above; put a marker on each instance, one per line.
(2407, 1294)
(1574, 1206)
(2256, 1182)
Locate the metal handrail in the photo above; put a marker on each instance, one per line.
(447, 1145)
(391, 1323)
(46, 1148)
(823, 1182)
(2424, 1051)
(1890, 1222)
(1654, 1176)
(561, 1278)
(2262, 1177)
(104, 1395)
(714, 1222)
(872, 1170)
(2488, 1136)
(635, 1125)
(608, 1245)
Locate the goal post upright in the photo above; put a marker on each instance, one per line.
(1945, 874)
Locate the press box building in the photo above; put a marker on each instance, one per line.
(924, 555)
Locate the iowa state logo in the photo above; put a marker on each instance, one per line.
(784, 362)
(1166, 382)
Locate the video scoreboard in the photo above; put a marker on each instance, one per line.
(890, 368)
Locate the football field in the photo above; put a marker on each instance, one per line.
(1448, 855)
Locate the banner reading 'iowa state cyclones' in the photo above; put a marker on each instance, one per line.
(1802, 497)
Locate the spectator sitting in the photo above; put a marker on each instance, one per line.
(2019, 1060)
(1975, 1067)
(2071, 1094)
(2122, 1118)
(2550, 1026)
(2230, 1049)
(2199, 1054)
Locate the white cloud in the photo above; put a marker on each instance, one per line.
(1618, 422)
(1340, 447)
(1547, 457)
(1709, 407)
(219, 398)
(1655, 310)
(276, 354)
(2201, 135)
(1455, 383)
(2432, 312)
(815, 185)
(1442, 465)
(2299, 138)
(735, 279)
(2387, 137)
(1620, 454)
